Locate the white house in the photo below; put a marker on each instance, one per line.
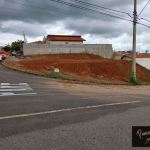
(145, 62)
(142, 59)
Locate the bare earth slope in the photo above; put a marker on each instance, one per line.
(84, 66)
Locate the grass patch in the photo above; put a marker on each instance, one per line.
(113, 55)
(55, 75)
(132, 79)
(59, 75)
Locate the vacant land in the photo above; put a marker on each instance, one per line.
(85, 67)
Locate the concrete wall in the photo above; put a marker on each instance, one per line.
(145, 62)
(117, 57)
(104, 50)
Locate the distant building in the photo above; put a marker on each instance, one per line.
(125, 57)
(130, 51)
(142, 59)
(36, 42)
(69, 44)
(63, 39)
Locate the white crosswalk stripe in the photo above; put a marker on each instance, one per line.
(7, 89)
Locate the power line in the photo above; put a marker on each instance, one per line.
(84, 8)
(97, 6)
(65, 12)
(143, 24)
(91, 10)
(54, 9)
(143, 8)
(72, 14)
(35, 6)
(47, 6)
(141, 20)
(77, 6)
(144, 19)
(49, 14)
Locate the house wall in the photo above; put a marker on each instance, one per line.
(104, 50)
(145, 62)
(127, 58)
(62, 42)
(117, 57)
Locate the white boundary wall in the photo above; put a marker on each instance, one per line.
(145, 62)
(104, 50)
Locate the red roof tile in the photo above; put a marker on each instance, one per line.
(139, 55)
(65, 38)
(36, 42)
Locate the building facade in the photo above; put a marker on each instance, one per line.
(63, 39)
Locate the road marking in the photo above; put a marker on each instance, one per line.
(7, 89)
(11, 94)
(15, 84)
(23, 84)
(7, 94)
(65, 110)
(5, 83)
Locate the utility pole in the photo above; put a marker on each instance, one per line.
(24, 36)
(25, 40)
(134, 40)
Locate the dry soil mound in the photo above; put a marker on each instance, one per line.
(85, 66)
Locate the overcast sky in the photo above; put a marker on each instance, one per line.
(96, 25)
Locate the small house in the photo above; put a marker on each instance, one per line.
(63, 39)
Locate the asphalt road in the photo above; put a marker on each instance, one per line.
(38, 113)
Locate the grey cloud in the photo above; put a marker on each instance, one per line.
(33, 19)
(17, 27)
(106, 29)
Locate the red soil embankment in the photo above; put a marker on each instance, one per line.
(85, 66)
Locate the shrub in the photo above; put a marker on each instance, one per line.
(132, 79)
(56, 75)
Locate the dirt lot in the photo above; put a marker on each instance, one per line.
(83, 66)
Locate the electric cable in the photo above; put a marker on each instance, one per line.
(143, 8)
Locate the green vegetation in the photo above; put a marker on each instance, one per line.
(132, 79)
(7, 48)
(16, 45)
(56, 75)
(114, 55)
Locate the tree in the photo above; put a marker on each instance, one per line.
(7, 48)
(146, 51)
(17, 45)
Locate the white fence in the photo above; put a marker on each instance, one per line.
(145, 62)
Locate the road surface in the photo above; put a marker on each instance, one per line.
(38, 113)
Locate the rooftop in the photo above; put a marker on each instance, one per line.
(142, 55)
(65, 38)
(35, 42)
